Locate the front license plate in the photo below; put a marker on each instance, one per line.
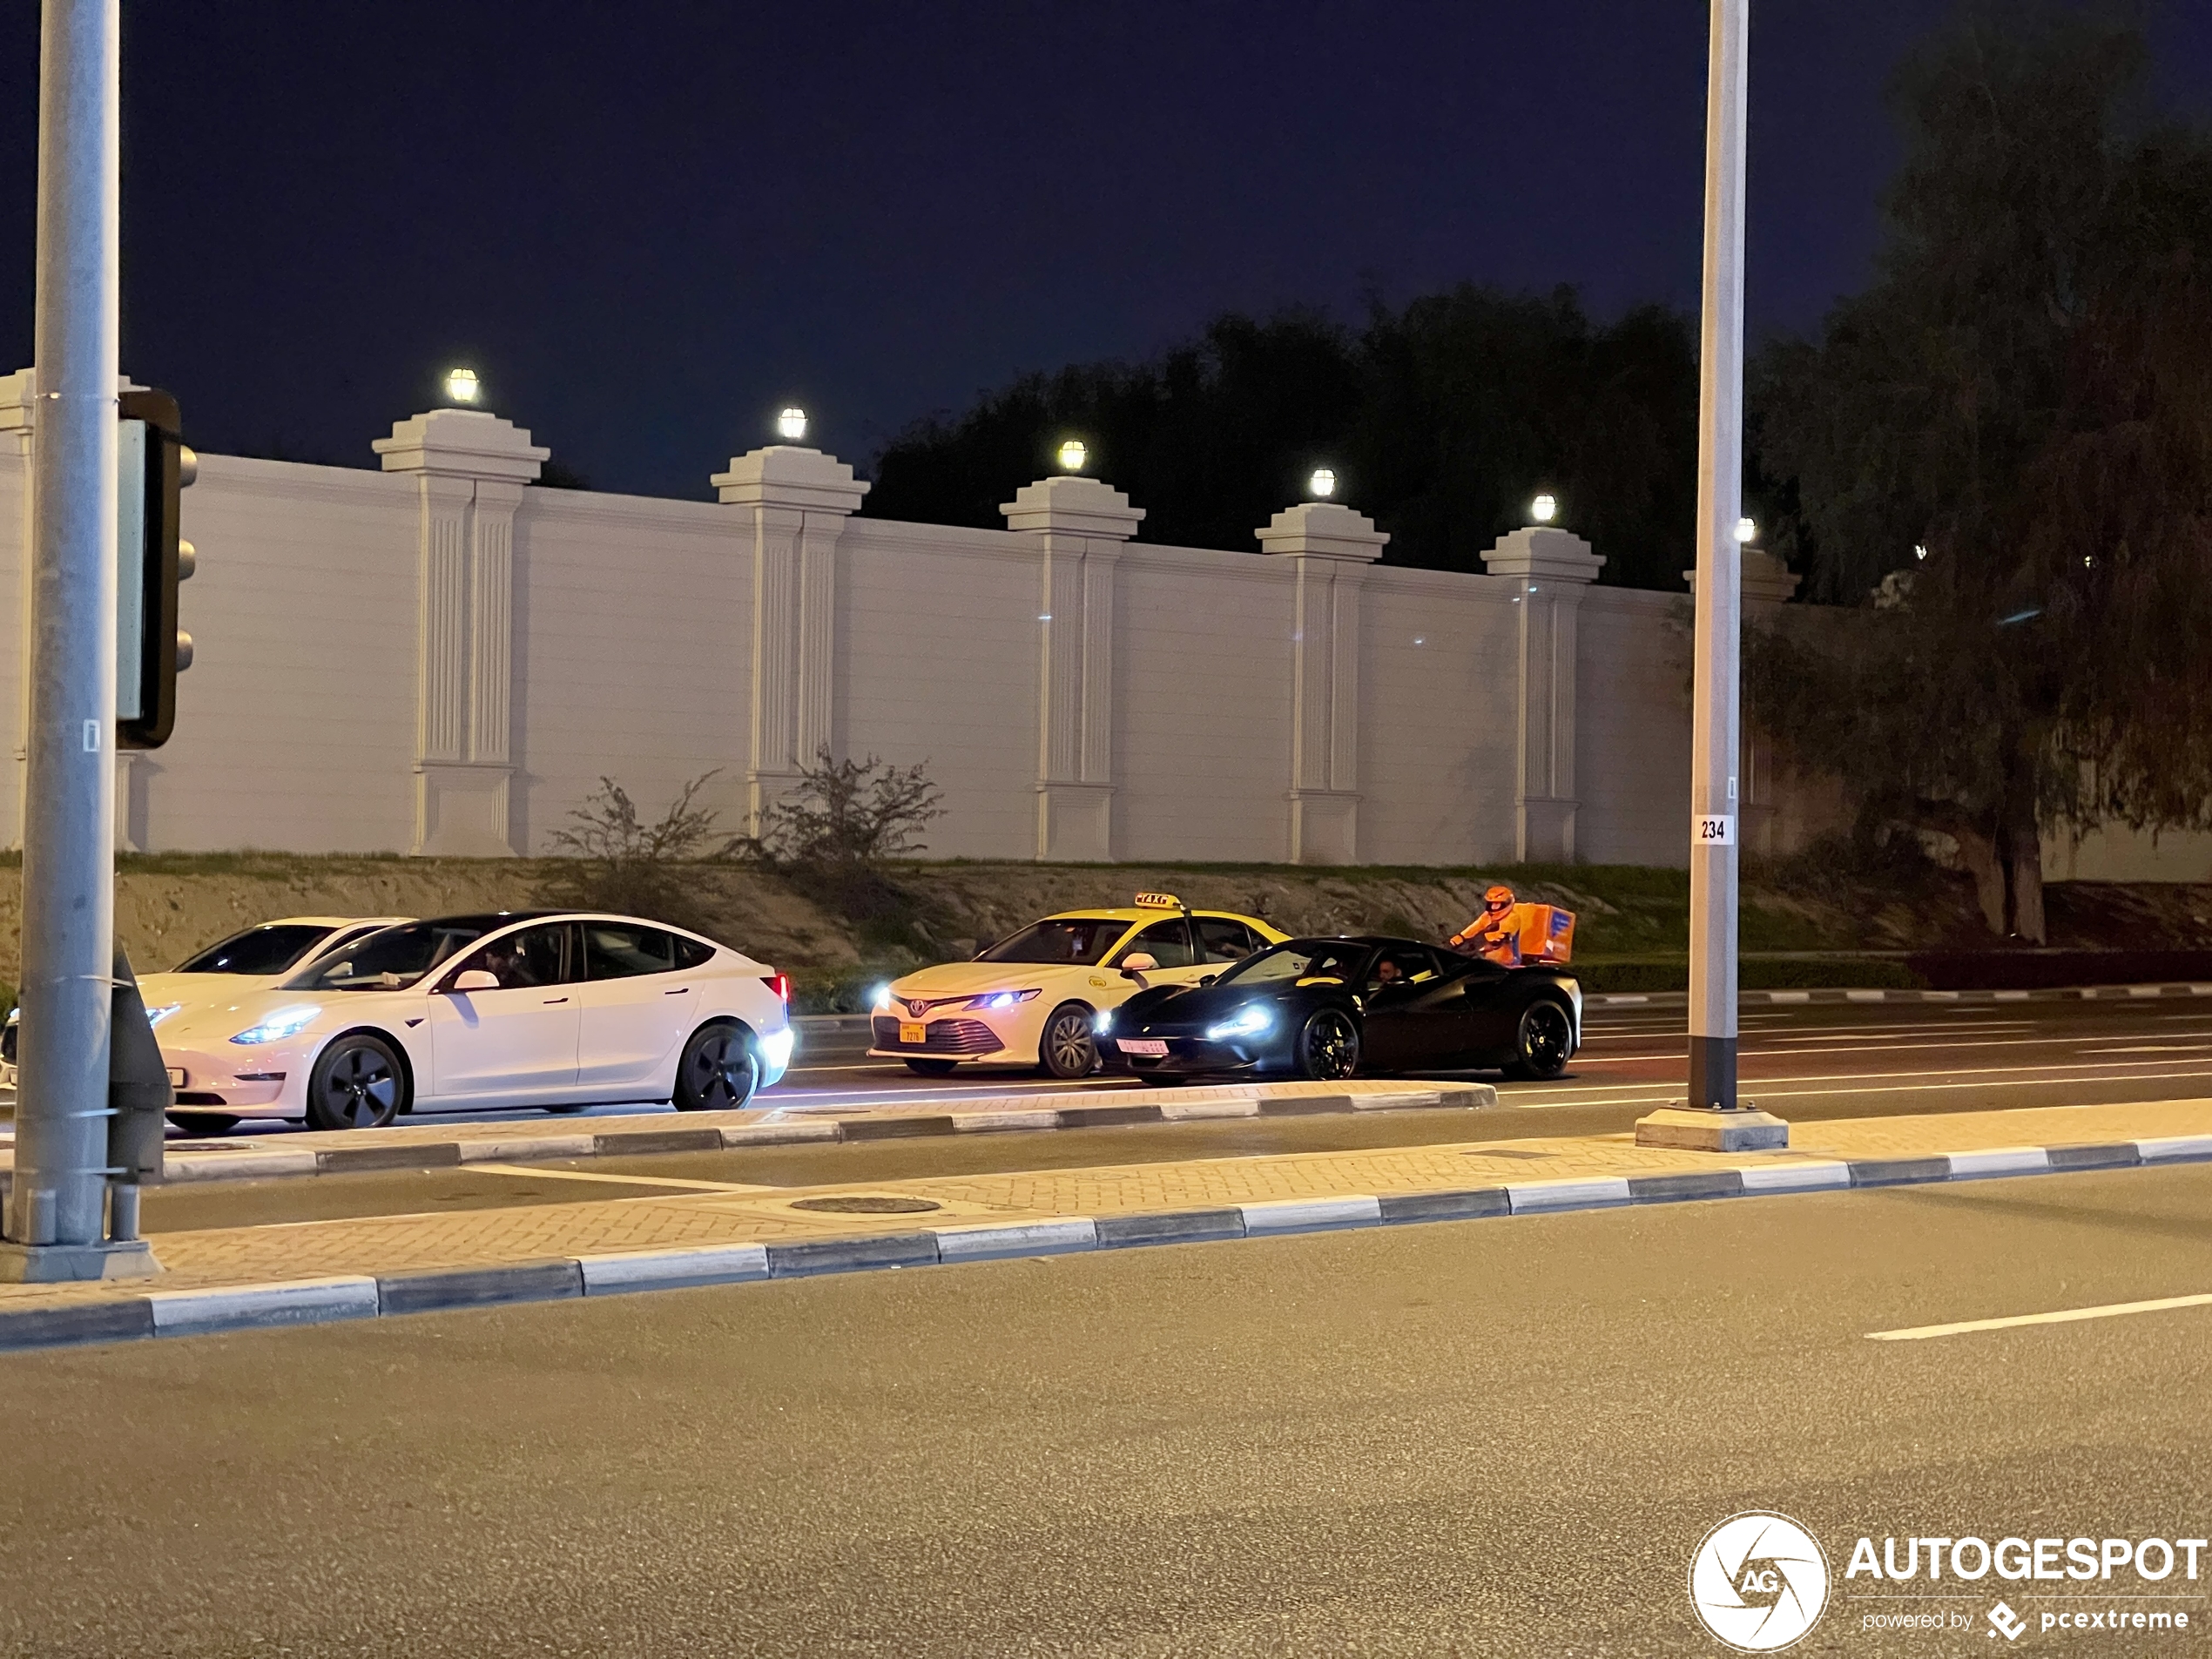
(911, 1032)
(1151, 1046)
(176, 1076)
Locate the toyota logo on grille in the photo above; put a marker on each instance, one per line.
(915, 1009)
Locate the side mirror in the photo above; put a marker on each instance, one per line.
(475, 980)
(1139, 963)
(1205, 979)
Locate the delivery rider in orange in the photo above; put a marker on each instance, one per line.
(1495, 934)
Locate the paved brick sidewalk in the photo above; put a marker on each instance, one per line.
(1124, 1203)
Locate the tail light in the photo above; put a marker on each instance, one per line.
(780, 984)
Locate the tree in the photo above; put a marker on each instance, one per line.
(1443, 418)
(2008, 438)
(847, 815)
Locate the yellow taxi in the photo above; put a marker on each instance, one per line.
(1030, 999)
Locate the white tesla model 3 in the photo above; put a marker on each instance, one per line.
(547, 1008)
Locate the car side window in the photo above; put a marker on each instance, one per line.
(1223, 941)
(1167, 943)
(623, 950)
(691, 953)
(533, 957)
(1400, 966)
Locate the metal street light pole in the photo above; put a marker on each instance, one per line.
(56, 1221)
(1713, 1118)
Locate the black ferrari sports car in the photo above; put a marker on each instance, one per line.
(1331, 1007)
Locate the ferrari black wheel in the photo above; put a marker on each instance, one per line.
(1544, 1043)
(1328, 1049)
(718, 1071)
(1068, 1050)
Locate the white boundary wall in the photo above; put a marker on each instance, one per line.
(440, 658)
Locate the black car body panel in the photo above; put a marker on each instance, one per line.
(1442, 1012)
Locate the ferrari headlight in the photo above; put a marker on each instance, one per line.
(1003, 999)
(1247, 1021)
(285, 1022)
(1104, 1023)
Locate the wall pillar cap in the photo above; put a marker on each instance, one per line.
(1074, 506)
(1541, 552)
(1325, 529)
(462, 444)
(790, 474)
(1765, 578)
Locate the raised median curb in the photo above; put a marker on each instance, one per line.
(206, 1312)
(424, 1146)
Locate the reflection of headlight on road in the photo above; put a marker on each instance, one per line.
(285, 1022)
(1247, 1022)
(1001, 998)
(776, 1048)
(155, 1016)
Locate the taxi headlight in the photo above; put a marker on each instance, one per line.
(1247, 1022)
(285, 1022)
(882, 999)
(1003, 999)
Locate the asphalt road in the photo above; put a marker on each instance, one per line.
(1497, 1436)
(1807, 1064)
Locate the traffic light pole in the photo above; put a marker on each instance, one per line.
(1713, 1118)
(56, 1221)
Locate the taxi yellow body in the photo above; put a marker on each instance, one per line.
(1029, 999)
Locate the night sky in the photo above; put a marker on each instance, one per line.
(647, 226)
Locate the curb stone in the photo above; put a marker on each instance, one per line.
(1795, 999)
(199, 1312)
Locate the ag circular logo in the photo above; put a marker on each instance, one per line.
(1759, 1581)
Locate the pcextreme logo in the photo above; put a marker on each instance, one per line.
(1759, 1581)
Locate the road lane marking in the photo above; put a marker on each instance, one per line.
(1754, 1089)
(2064, 1316)
(621, 1180)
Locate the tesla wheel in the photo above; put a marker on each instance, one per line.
(357, 1082)
(1066, 1049)
(204, 1123)
(718, 1071)
(1544, 1043)
(931, 1068)
(1328, 1049)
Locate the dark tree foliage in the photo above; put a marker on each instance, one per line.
(1442, 420)
(2025, 394)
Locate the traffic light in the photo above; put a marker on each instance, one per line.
(150, 650)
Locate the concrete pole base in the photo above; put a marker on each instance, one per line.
(75, 1263)
(1704, 1128)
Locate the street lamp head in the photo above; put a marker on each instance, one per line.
(1323, 484)
(1746, 531)
(1544, 508)
(1072, 455)
(791, 423)
(462, 385)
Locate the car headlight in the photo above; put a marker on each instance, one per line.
(1003, 999)
(1247, 1022)
(285, 1022)
(776, 1047)
(1104, 1023)
(882, 999)
(155, 1016)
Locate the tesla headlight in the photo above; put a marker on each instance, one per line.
(285, 1022)
(1247, 1021)
(155, 1016)
(1002, 998)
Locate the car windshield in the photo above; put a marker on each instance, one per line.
(1066, 941)
(268, 949)
(392, 960)
(1303, 962)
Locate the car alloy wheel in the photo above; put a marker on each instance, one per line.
(1544, 1042)
(1068, 1050)
(718, 1071)
(1329, 1047)
(357, 1083)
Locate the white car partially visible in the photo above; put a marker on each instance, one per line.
(252, 961)
(554, 1009)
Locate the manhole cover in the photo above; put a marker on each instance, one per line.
(868, 1204)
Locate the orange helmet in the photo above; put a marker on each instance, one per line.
(1499, 898)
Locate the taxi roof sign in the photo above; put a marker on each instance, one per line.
(1159, 902)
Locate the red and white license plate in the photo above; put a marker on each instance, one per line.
(1150, 1047)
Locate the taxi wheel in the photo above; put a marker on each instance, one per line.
(931, 1068)
(1068, 1050)
(357, 1083)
